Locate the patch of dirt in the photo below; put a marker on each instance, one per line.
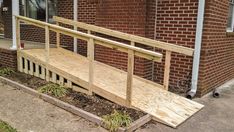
(27, 80)
(93, 104)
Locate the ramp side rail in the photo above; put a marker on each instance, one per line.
(169, 48)
(92, 40)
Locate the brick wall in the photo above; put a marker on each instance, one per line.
(176, 24)
(87, 14)
(217, 54)
(125, 16)
(8, 58)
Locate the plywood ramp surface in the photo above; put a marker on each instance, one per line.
(109, 82)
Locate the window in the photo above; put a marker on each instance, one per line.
(230, 23)
(1, 19)
(42, 10)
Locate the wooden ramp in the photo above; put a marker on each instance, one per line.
(110, 83)
(86, 75)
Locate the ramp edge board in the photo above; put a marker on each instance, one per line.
(163, 106)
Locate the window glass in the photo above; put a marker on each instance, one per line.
(230, 16)
(22, 7)
(36, 9)
(1, 18)
(52, 9)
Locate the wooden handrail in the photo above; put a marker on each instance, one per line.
(98, 40)
(129, 37)
(135, 39)
(92, 40)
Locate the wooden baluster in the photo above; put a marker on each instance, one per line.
(54, 77)
(43, 73)
(61, 80)
(47, 48)
(36, 70)
(130, 76)
(91, 61)
(25, 66)
(31, 68)
(167, 70)
(57, 37)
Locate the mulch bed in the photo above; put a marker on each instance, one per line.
(93, 104)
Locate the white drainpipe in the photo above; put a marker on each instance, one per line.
(198, 42)
(75, 10)
(155, 35)
(15, 11)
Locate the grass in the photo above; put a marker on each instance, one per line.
(53, 89)
(116, 120)
(6, 71)
(4, 127)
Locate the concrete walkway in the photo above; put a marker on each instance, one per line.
(30, 114)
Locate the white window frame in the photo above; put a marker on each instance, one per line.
(230, 29)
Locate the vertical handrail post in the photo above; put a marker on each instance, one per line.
(47, 48)
(19, 59)
(91, 62)
(18, 33)
(167, 70)
(57, 37)
(130, 76)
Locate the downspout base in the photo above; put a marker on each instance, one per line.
(190, 95)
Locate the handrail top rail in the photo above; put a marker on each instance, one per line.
(125, 36)
(155, 55)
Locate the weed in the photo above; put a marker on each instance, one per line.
(6, 71)
(4, 127)
(116, 120)
(54, 89)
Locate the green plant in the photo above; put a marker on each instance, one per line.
(4, 127)
(54, 89)
(6, 71)
(116, 120)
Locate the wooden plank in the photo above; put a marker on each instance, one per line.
(47, 75)
(25, 66)
(137, 39)
(69, 84)
(167, 70)
(18, 34)
(135, 77)
(130, 76)
(149, 57)
(57, 37)
(61, 80)
(47, 48)
(138, 123)
(54, 77)
(47, 43)
(81, 90)
(20, 62)
(43, 73)
(91, 66)
(31, 68)
(36, 70)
